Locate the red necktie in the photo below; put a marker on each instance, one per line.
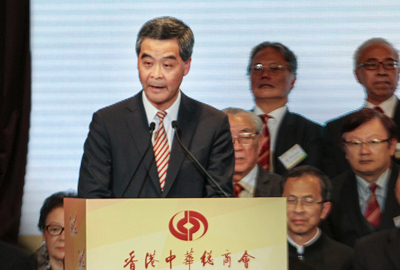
(237, 188)
(379, 109)
(161, 149)
(372, 210)
(263, 157)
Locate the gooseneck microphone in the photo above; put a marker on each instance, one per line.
(151, 129)
(175, 127)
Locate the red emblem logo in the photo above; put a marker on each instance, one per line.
(188, 225)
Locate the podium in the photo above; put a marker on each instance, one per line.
(179, 234)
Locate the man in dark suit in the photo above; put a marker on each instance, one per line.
(119, 159)
(363, 197)
(307, 191)
(289, 139)
(249, 178)
(376, 69)
(380, 250)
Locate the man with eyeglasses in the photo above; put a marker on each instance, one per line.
(289, 139)
(376, 67)
(364, 197)
(249, 178)
(307, 191)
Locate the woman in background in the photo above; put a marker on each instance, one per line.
(50, 256)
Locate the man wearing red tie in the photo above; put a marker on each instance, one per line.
(123, 157)
(376, 68)
(364, 198)
(289, 139)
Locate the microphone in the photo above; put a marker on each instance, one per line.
(151, 129)
(175, 127)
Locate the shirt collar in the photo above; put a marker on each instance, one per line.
(380, 182)
(249, 181)
(277, 114)
(151, 111)
(388, 106)
(300, 249)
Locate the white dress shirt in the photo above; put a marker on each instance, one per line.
(172, 115)
(388, 106)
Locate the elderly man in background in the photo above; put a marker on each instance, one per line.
(249, 178)
(288, 139)
(376, 67)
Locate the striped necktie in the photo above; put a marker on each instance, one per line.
(372, 210)
(263, 157)
(161, 149)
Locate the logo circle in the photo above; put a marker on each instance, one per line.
(188, 225)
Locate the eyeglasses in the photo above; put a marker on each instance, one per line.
(244, 138)
(54, 229)
(259, 69)
(305, 201)
(372, 144)
(374, 65)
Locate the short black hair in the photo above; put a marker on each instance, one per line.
(358, 118)
(50, 203)
(324, 182)
(163, 28)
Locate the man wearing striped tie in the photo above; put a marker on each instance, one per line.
(123, 157)
(376, 68)
(364, 198)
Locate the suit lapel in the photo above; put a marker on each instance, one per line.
(392, 207)
(139, 131)
(396, 118)
(186, 127)
(282, 144)
(352, 206)
(392, 249)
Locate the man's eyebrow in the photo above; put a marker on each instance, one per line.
(375, 59)
(144, 55)
(245, 130)
(172, 57)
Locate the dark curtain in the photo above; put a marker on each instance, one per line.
(15, 106)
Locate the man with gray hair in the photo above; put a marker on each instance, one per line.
(123, 157)
(289, 139)
(249, 178)
(376, 68)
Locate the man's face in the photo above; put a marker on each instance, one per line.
(369, 162)
(268, 85)
(303, 220)
(246, 156)
(380, 84)
(161, 70)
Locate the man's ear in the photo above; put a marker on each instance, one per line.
(326, 208)
(187, 66)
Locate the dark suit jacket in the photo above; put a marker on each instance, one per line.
(334, 160)
(296, 129)
(346, 223)
(323, 254)
(118, 138)
(379, 251)
(10, 255)
(267, 184)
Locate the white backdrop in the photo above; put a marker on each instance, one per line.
(84, 59)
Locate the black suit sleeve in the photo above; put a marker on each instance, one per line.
(221, 160)
(96, 166)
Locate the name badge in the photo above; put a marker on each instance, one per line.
(293, 156)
